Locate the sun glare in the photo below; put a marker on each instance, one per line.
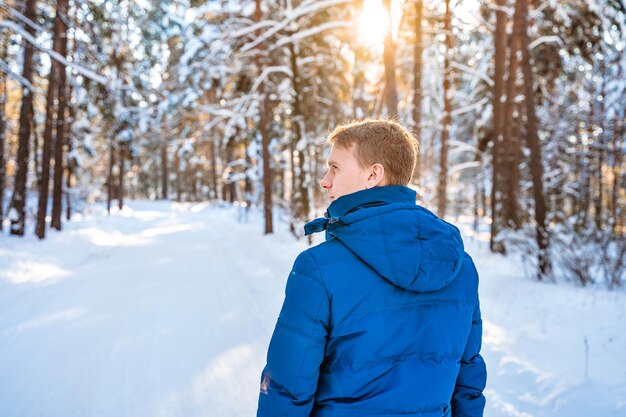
(372, 22)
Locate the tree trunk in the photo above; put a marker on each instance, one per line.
(301, 207)
(576, 198)
(599, 194)
(164, 162)
(510, 147)
(587, 169)
(478, 191)
(71, 163)
(516, 160)
(600, 146)
(417, 83)
(59, 28)
(213, 169)
(193, 179)
(267, 172)
(618, 145)
(120, 188)
(248, 183)
(3, 100)
(68, 181)
(18, 200)
(123, 154)
(36, 153)
(57, 190)
(498, 91)
(265, 140)
(391, 93)
(359, 106)
(110, 176)
(536, 163)
(443, 161)
(292, 170)
(229, 186)
(177, 172)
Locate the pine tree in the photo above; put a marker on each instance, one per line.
(3, 101)
(59, 142)
(53, 82)
(18, 200)
(446, 121)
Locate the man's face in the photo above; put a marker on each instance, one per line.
(345, 175)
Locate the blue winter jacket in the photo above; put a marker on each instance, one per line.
(381, 319)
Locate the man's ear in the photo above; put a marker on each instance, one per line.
(377, 176)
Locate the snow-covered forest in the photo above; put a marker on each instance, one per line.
(125, 124)
(519, 108)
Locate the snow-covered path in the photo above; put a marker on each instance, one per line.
(166, 309)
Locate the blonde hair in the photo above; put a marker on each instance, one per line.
(380, 141)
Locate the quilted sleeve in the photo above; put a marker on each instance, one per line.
(296, 350)
(468, 399)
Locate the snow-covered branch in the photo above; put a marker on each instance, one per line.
(469, 107)
(215, 111)
(19, 16)
(6, 69)
(458, 146)
(267, 71)
(251, 29)
(312, 31)
(57, 57)
(291, 16)
(462, 166)
(545, 39)
(507, 10)
(472, 71)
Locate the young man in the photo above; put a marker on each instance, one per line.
(382, 319)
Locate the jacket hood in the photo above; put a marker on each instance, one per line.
(404, 243)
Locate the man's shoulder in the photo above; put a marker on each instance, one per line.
(327, 250)
(323, 256)
(467, 277)
(315, 253)
(469, 266)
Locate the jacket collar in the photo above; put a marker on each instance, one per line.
(372, 196)
(348, 203)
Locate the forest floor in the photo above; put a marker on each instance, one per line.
(166, 309)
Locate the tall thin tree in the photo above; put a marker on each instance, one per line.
(532, 136)
(110, 174)
(123, 154)
(59, 28)
(301, 204)
(600, 150)
(213, 168)
(3, 124)
(164, 157)
(59, 142)
(447, 109)
(617, 156)
(510, 148)
(389, 60)
(71, 162)
(122, 173)
(417, 80)
(499, 37)
(18, 200)
(359, 104)
(264, 110)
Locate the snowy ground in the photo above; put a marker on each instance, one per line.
(166, 309)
